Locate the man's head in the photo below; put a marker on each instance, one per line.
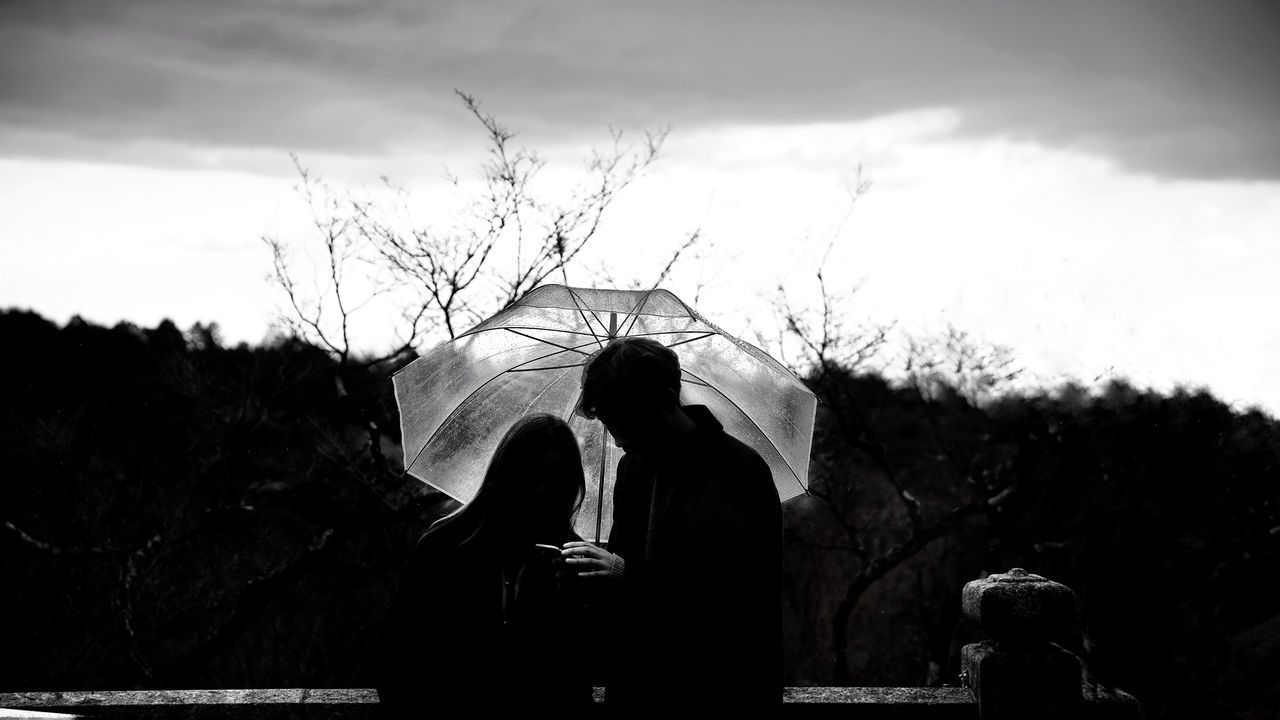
(631, 385)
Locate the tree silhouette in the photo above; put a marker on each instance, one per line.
(190, 518)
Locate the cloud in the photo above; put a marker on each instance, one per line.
(1175, 87)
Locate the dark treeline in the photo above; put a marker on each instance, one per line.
(179, 513)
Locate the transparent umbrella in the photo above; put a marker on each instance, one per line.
(458, 400)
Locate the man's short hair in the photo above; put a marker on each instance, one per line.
(628, 370)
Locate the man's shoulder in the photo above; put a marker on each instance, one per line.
(628, 464)
(742, 472)
(740, 454)
(726, 447)
(629, 477)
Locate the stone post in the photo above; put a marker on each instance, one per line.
(1018, 673)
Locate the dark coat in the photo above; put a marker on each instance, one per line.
(446, 642)
(698, 616)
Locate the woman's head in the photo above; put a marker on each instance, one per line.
(532, 488)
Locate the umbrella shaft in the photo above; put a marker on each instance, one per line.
(604, 452)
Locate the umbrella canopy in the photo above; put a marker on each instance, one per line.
(458, 400)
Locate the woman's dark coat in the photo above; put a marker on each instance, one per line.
(447, 643)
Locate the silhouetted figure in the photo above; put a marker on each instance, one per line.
(694, 557)
(480, 620)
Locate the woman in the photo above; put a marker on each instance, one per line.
(480, 619)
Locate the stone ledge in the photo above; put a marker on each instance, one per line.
(896, 703)
(110, 698)
(911, 703)
(877, 696)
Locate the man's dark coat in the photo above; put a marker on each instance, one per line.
(698, 613)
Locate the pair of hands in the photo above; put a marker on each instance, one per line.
(584, 560)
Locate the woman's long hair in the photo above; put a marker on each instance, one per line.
(499, 497)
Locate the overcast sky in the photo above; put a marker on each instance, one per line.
(1094, 183)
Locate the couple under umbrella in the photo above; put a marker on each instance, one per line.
(505, 602)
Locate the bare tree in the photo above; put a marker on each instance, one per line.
(511, 238)
(856, 428)
(695, 243)
(832, 353)
(322, 313)
(508, 239)
(825, 338)
(958, 361)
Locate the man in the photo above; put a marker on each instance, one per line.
(694, 558)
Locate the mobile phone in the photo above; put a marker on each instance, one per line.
(548, 551)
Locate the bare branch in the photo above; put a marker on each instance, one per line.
(692, 240)
(53, 549)
(796, 537)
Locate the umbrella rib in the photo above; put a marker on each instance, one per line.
(534, 360)
(472, 394)
(582, 311)
(545, 367)
(553, 344)
(668, 332)
(533, 327)
(449, 417)
(547, 389)
(789, 374)
(635, 311)
(464, 402)
(582, 307)
(753, 422)
(689, 340)
(695, 382)
(692, 313)
(595, 338)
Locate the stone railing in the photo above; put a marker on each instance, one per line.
(1016, 673)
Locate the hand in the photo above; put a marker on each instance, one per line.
(588, 561)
